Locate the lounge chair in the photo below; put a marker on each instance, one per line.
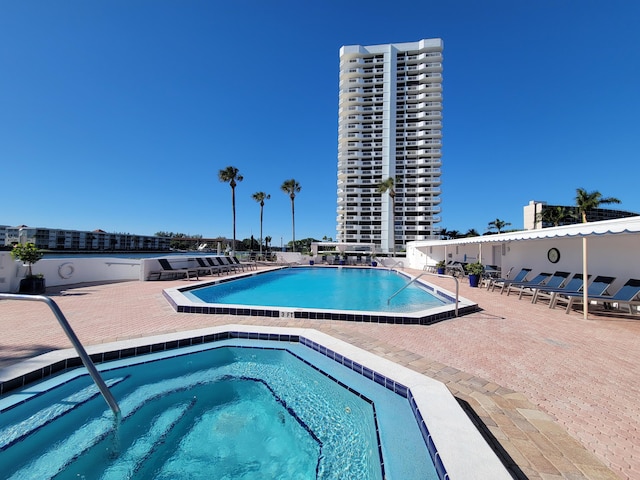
(236, 264)
(536, 281)
(227, 262)
(174, 272)
(627, 295)
(456, 269)
(521, 276)
(573, 285)
(599, 286)
(555, 281)
(214, 265)
(204, 268)
(247, 265)
(217, 262)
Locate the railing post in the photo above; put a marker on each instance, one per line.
(435, 275)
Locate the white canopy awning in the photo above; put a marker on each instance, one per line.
(629, 225)
(606, 227)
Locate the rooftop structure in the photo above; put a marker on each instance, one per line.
(534, 209)
(389, 126)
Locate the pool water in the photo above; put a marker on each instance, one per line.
(364, 289)
(225, 412)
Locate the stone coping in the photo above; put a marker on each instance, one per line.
(459, 447)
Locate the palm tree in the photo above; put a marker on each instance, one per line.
(231, 175)
(260, 197)
(556, 215)
(291, 187)
(586, 201)
(498, 225)
(444, 234)
(384, 187)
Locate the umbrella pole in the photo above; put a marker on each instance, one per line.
(585, 292)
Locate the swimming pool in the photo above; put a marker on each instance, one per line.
(334, 293)
(443, 431)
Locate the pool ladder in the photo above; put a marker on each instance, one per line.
(435, 275)
(379, 260)
(82, 353)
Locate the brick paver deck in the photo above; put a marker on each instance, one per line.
(557, 395)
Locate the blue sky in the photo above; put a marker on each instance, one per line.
(119, 114)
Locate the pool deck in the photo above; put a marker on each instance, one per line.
(557, 394)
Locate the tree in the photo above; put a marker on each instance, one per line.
(556, 215)
(249, 244)
(303, 245)
(231, 175)
(498, 225)
(384, 187)
(472, 232)
(260, 197)
(291, 187)
(267, 241)
(586, 201)
(28, 253)
(444, 233)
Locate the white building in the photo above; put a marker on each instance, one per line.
(390, 121)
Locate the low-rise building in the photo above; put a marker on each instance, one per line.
(79, 240)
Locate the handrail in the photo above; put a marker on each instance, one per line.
(379, 260)
(86, 360)
(435, 275)
(399, 262)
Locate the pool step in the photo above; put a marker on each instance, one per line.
(61, 455)
(132, 460)
(16, 432)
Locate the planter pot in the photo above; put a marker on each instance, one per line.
(440, 271)
(33, 285)
(374, 264)
(311, 262)
(474, 280)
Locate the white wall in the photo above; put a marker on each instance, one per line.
(612, 255)
(67, 271)
(7, 271)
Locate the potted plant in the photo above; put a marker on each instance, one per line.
(29, 254)
(475, 271)
(440, 267)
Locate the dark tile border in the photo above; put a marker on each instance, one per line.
(365, 371)
(315, 314)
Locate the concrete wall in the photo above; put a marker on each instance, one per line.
(67, 271)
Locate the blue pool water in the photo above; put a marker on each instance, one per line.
(241, 411)
(363, 289)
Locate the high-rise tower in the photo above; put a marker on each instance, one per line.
(390, 126)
